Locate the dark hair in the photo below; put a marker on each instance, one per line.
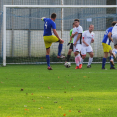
(114, 22)
(115, 44)
(73, 24)
(77, 20)
(91, 25)
(53, 15)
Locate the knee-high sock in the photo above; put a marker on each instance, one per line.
(111, 58)
(81, 61)
(48, 60)
(68, 57)
(103, 62)
(90, 61)
(60, 49)
(78, 59)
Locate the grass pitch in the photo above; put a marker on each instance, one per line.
(34, 91)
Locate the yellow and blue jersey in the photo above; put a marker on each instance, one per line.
(48, 26)
(106, 40)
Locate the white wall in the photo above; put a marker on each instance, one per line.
(37, 43)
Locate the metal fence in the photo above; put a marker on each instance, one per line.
(69, 15)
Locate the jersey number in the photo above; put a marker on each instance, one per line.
(46, 25)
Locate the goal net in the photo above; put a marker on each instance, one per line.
(23, 30)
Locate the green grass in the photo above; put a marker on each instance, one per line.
(85, 92)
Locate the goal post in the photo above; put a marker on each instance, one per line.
(66, 19)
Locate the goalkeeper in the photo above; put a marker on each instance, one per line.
(71, 44)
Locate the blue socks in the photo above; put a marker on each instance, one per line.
(110, 62)
(60, 49)
(48, 60)
(103, 62)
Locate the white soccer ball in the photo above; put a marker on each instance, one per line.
(67, 64)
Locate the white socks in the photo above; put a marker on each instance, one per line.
(77, 59)
(81, 61)
(90, 61)
(111, 57)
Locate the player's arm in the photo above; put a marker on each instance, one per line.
(43, 18)
(70, 38)
(109, 36)
(84, 42)
(56, 34)
(70, 41)
(78, 37)
(74, 34)
(92, 39)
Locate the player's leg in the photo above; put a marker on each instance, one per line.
(90, 59)
(114, 51)
(112, 59)
(104, 60)
(111, 55)
(60, 46)
(106, 51)
(111, 62)
(90, 51)
(83, 53)
(55, 39)
(77, 60)
(47, 45)
(48, 58)
(69, 52)
(77, 55)
(69, 55)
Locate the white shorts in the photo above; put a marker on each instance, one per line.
(85, 49)
(114, 51)
(114, 39)
(77, 48)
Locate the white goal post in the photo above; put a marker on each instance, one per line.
(41, 6)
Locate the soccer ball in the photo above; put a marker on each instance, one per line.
(67, 64)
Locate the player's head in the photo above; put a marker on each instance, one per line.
(76, 22)
(114, 22)
(115, 46)
(73, 25)
(53, 16)
(91, 27)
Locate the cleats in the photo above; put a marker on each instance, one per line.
(88, 66)
(104, 68)
(49, 68)
(80, 66)
(77, 67)
(61, 57)
(112, 68)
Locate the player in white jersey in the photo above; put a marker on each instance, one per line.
(114, 34)
(77, 34)
(114, 51)
(88, 38)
